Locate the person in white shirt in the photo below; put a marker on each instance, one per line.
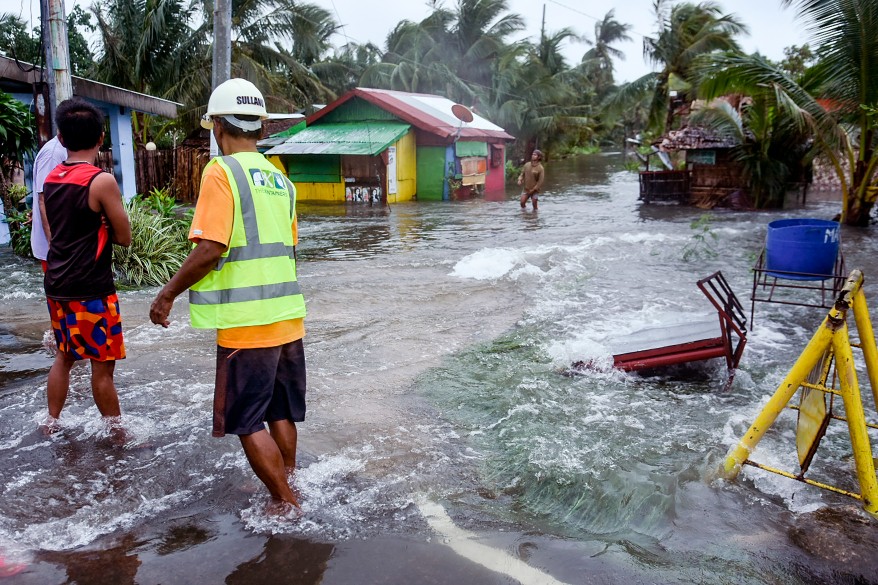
(50, 156)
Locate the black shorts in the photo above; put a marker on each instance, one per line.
(254, 386)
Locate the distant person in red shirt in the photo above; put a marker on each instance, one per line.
(85, 214)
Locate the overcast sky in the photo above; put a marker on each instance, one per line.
(771, 27)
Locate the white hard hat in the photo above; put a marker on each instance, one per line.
(233, 98)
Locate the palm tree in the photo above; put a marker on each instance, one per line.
(153, 46)
(847, 78)
(826, 118)
(274, 44)
(139, 43)
(345, 68)
(685, 32)
(772, 133)
(548, 50)
(16, 42)
(534, 99)
(597, 62)
(478, 37)
(417, 58)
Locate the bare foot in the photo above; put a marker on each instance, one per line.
(50, 427)
(297, 495)
(291, 481)
(282, 509)
(118, 435)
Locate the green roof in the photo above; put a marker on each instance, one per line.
(368, 138)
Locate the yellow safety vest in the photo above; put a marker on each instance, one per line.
(254, 282)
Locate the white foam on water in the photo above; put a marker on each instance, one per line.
(15, 295)
(333, 503)
(582, 347)
(364, 489)
(776, 449)
(488, 264)
(178, 329)
(91, 521)
(650, 237)
(12, 553)
(595, 341)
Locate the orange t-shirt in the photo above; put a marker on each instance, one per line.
(214, 215)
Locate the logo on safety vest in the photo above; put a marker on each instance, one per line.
(279, 181)
(258, 177)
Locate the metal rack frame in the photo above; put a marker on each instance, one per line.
(774, 281)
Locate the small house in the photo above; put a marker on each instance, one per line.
(374, 145)
(714, 174)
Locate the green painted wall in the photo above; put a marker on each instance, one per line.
(431, 172)
(314, 168)
(357, 110)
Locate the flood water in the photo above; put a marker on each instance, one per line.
(443, 442)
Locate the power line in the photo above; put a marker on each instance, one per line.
(341, 25)
(595, 18)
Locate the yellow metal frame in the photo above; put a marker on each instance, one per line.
(832, 336)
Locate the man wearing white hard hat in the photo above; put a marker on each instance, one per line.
(241, 277)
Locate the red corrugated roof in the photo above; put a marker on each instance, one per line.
(410, 108)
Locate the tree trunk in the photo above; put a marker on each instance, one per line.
(861, 200)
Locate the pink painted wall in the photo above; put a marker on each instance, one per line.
(496, 179)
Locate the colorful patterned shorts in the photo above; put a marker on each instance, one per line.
(88, 329)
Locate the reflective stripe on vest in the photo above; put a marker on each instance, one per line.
(254, 249)
(226, 299)
(247, 293)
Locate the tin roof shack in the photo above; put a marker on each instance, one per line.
(712, 175)
(26, 84)
(715, 177)
(373, 145)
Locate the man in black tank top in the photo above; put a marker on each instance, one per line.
(85, 215)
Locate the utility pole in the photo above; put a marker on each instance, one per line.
(543, 26)
(57, 53)
(222, 51)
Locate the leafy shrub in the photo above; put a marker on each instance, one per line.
(17, 141)
(19, 220)
(701, 245)
(159, 243)
(512, 171)
(161, 202)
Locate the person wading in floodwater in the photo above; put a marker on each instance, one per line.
(84, 213)
(241, 277)
(532, 177)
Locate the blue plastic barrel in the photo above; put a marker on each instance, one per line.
(805, 246)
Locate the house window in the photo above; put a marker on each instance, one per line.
(473, 165)
(473, 170)
(701, 157)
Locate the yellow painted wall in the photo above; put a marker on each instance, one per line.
(406, 169)
(329, 192)
(276, 161)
